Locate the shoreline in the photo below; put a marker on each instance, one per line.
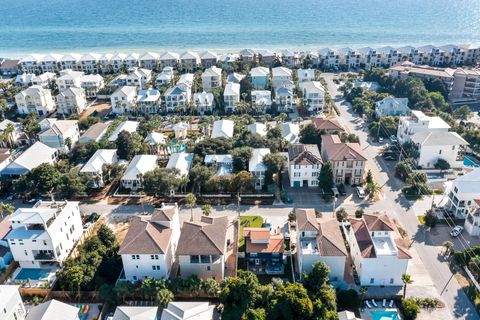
(19, 54)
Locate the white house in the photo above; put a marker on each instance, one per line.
(433, 146)
(204, 247)
(62, 135)
(313, 95)
(124, 100)
(35, 99)
(282, 77)
(463, 193)
(377, 250)
(44, 80)
(208, 59)
(51, 310)
(391, 106)
(95, 133)
(290, 132)
(118, 61)
(45, 234)
(89, 62)
(259, 77)
(189, 310)
(222, 162)
(16, 136)
(472, 221)
(12, 304)
(257, 128)
(304, 165)
(203, 102)
(95, 166)
(92, 83)
(135, 313)
(262, 100)
(181, 161)
(165, 78)
(148, 249)
(211, 78)
(320, 240)
(186, 82)
(139, 77)
(105, 63)
(222, 128)
(290, 58)
(189, 61)
(169, 59)
(131, 60)
(140, 164)
(128, 126)
(25, 80)
(305, 75)
(50, 62)
(71, 100)
(285, 99)
(235, 77)
(180, 130)
(231, 96)
(176, 97)
(69, 78)
(149, 60)
(257, 168)
(416, 122)
(148, 101)
(31, 158)
(71, 61)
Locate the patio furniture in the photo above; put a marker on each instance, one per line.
(374, 303)
(368, 304)
(390, 305)
(384, 303)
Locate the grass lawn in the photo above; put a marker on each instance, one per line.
(245, 222)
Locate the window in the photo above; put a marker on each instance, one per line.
(391, 280)
(133, 257)
(208, 268)
(135, 278)
(440, 152)
(26, 253)
(194, 259)
(205, 259)
(372, 280)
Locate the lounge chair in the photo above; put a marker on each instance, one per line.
(368, 304)
(390, 305)
(384, 303)
(374, 303)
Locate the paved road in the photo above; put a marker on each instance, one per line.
(404, 212)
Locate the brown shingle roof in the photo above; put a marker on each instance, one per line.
(8, 64)
(306, 220)
(275, 244)
(327, 124)
(163, 214)
(362, 235)
(304, 154)
(146, 237)
(330, 239)
(339, 151)
(207, 236)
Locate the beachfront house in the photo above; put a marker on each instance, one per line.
(231, 96)
(391, 106)
(89, 62)
(320, 240)
(70, 101)
(203, 102)
(259, 78)
(131, 60)
(118, 62)
(208, 59)
(71, 61)
(169, 59)
(30, 63)
(35, 99)
(95, 167)
(189, 61)
(291, 59)
(62, 135)
(124, 100)
(148, 249)
(377, 250)
(347, 159)
(304, 165)
(205, 246)
(264, 251)
(44, 235)
(149, 60)
(148, 101)
(211, 78)
(132, 179)
(313, 95)
(257, 168)
(105, 63)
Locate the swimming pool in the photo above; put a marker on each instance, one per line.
(385, 315)
(469, 162)
(33, 274)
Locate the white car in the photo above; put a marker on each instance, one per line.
(456, 231)
(360, 192)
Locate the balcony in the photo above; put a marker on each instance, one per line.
(43, 255)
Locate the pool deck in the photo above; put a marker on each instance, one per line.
(366, 313)
(35, 282)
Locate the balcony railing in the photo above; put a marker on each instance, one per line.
(43, 256)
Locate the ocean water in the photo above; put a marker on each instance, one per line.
(28, 26)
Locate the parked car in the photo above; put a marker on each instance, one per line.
(87, 225)
(456, 231)
(360, 192)
(341, 189)
(393, 139)
(335, 192)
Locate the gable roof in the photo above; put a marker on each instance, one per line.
(258, 128)
(256, 161)
(135, 313)
(51, 310)
(339, 151)
(438, 138)
(232, 89)
(259, 72)
(222, 128)
(330, 240)
(188, 310)
(95, 132)
(31, 158)
(129, 126)
(100, 157)
(181, 161)
(327, 124)
(306, 219)
(140, 164)
(304, 154)
(290, 131)
(207, 236)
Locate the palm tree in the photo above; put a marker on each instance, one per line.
(406, 279)
(6, 208)
(206, 209)
(191, 201)
(448, 245)
(164, 296)
(363, 291)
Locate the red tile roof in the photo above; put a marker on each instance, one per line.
(327, 124)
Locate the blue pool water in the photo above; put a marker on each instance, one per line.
(92, 25)
(33, 274)
(469, 162)
(385, 315)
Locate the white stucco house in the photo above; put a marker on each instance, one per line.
(132, 179)
(124, 100)
(62, 135)
(391, 106)
(169, 59)
(320, 240)
(416, 122)
(176, 97)
(231, 96)
(304, 165)
(89, 62)
(51, 309)
(165, 78)
(208, 59)
(257, 128)
(305, 75)
(290, 132)
(139, 77)
(433, 146)
(149, 60)
(135, 313)
(189, 61)
(472, 221)
(71, 100)
(12, 304)
(148, 101)
(203, 102)
(377, 250)
(313, 95)
(180, 130)
(257, 168)
(189, 310)
(181, 161)
(149, 247)
(463, 193)
(35, 99)
(222, 128)
(95, 166)
(285, 99)
(261, 100)
(44, 235)
(69, 78)
(211, 78)
(92, 83)
(282, 77)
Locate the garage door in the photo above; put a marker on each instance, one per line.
(297, 184)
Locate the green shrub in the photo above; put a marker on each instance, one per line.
(410, 309)
(348, 299)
